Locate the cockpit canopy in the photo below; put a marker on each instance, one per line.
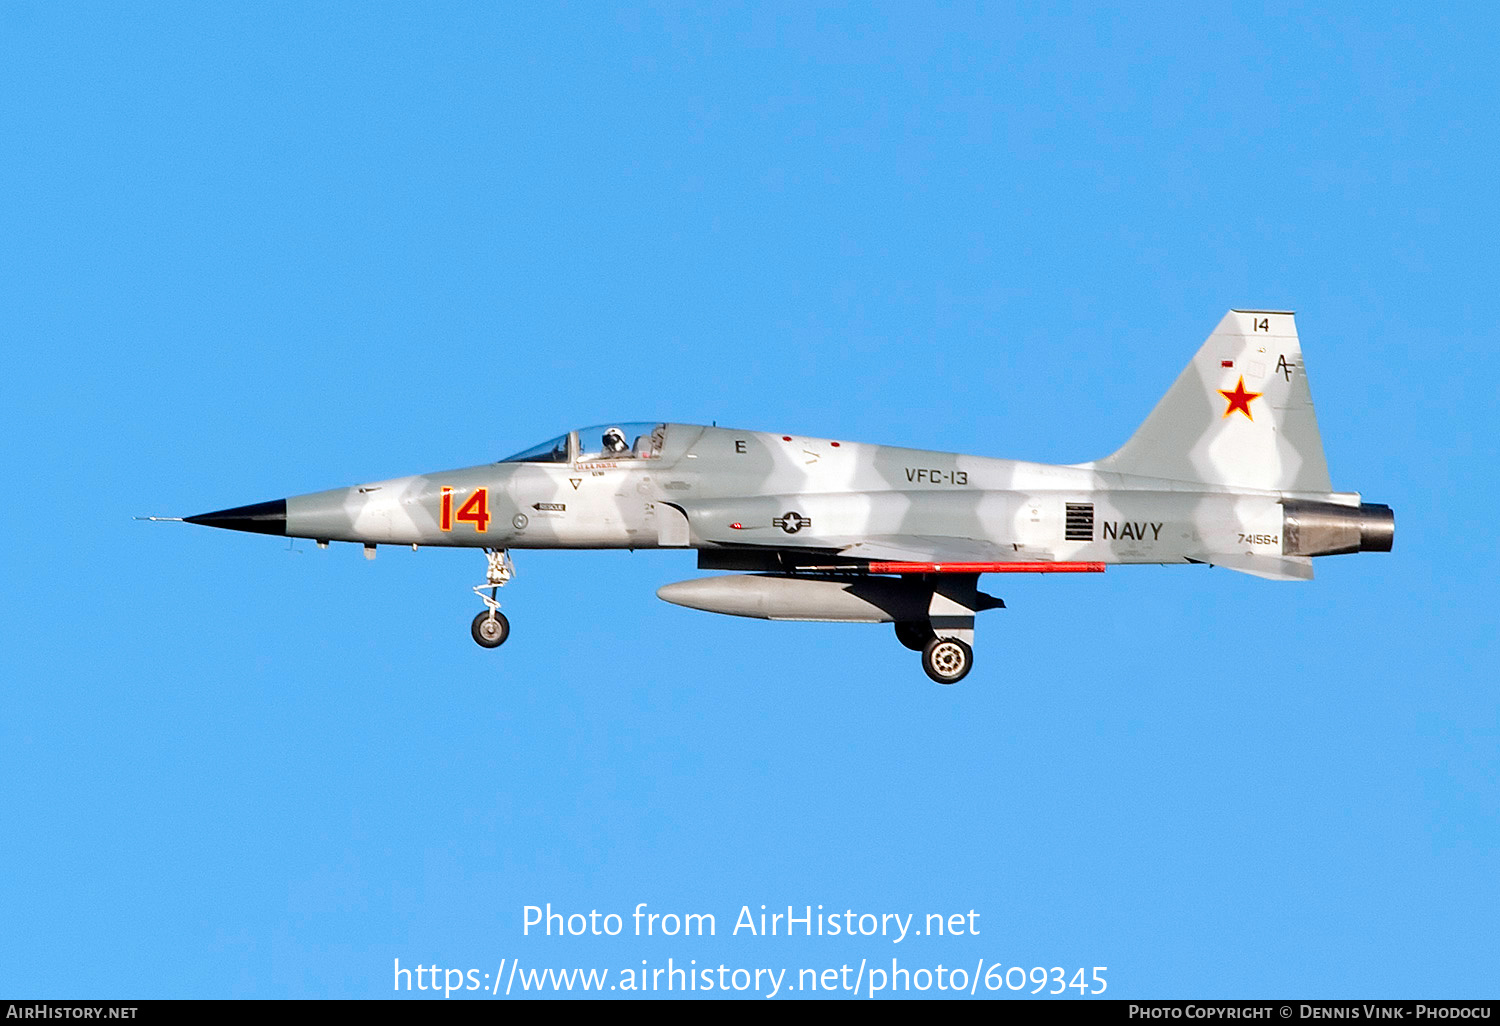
(630, 440)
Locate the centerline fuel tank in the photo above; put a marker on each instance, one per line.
(830, 598)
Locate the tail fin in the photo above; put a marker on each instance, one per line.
(1239, 414)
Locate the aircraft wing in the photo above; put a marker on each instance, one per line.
(912, 548)
(901, 554)
(908, 548)
(916, 548)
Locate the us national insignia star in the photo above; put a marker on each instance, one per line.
(1240, 399)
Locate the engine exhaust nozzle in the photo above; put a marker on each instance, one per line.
(1328, 529)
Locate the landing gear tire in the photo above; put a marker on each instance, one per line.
(947, 660)
(913, 634)
(491, 629)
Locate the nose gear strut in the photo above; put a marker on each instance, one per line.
(491, 628)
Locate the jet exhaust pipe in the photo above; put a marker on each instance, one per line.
(828, 598)
(1327, 529)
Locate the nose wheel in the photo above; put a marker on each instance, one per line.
(490, 628)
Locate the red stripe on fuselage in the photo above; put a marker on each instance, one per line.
(986, 568)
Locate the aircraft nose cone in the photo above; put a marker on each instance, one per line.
(260, 517)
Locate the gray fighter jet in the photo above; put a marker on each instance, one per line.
(1227, 470)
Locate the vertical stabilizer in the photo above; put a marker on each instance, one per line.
(1239, 414)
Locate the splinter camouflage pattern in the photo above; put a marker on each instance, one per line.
(1228, 469)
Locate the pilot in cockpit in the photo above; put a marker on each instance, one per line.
(614, 443)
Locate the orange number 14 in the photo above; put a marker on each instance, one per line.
(475, 510)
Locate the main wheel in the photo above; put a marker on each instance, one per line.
(947, 660)
(491, 630)
(914, 634)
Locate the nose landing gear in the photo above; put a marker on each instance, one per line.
(491, 628)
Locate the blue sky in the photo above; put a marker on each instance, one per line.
(255, 252)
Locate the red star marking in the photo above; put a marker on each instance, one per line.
(1240, 399)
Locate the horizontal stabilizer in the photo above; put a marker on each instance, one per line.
(1272, 568)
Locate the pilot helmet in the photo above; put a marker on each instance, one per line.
(614, 440)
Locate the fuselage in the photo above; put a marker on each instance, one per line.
(1228, 469)
(712, 487)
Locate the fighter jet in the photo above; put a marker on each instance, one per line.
(1227, 470)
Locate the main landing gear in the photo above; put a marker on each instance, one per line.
(946, 660)
(491, 628)
(914, 635)
(945, 636)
